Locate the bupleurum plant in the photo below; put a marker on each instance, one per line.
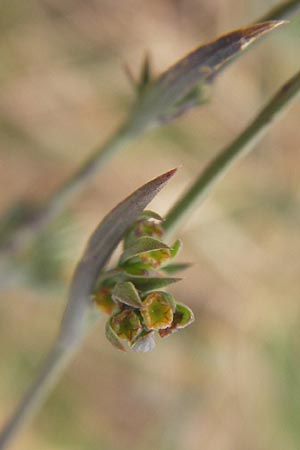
(133, 294)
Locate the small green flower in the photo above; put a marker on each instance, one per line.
(142, 246)
(104, 301)
(156, 258)
(143, 228)
(126, 324)
(183, 316)
(157, 311)
(129, 292)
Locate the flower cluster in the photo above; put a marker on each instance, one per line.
(133, 293)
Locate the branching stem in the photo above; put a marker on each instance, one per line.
(63, 351)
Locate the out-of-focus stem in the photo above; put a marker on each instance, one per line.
(226, 158)
(282, 11)
(27, 228)
(50, 374)
(80, 314)
(68, 190)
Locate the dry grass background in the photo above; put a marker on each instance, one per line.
(232, 380)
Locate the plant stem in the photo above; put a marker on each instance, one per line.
(69, 189)
(49, 375)
(282, 11)
(26, 229)
(224, 160)
(80, 313)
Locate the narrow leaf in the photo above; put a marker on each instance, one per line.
(148, 283)
(203, 62)
(201, 65)
(176, 267)
(176, 247)
(146, 75)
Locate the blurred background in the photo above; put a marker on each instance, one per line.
(231, 381)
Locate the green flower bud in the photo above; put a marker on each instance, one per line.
(112, 337)
(129, 292)
(143, 228)
(156, 311)
(183, 316)
(143, 246)
(155, 258)
(104, 301)
(126, 324)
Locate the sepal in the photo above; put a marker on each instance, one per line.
(112, 337)
(126, 293)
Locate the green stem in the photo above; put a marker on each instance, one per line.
(82, 176)
(70, 188)
(80, 313)
(282, 11)
(50, 374)
(224, 160)
(22, 233)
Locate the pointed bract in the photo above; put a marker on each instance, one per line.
(159, 100)
(126, 293)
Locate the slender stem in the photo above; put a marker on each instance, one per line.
(69, 189)
(80, 313)
(49, 375)
(82, 176)
(224, 160)
(26, 229)
(282, 11)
